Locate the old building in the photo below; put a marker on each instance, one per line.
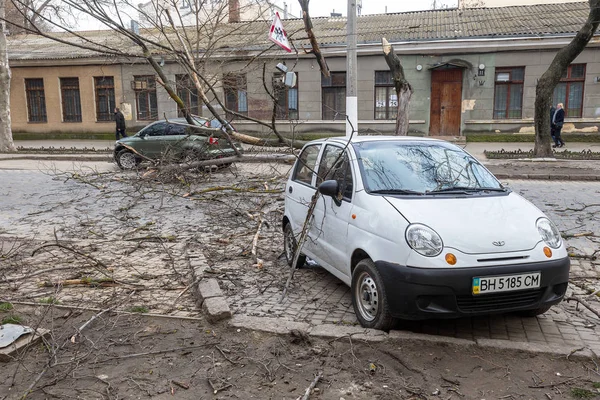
(472, 70)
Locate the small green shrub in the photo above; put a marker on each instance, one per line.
(580, 393)
(6, 306)
(12, 319)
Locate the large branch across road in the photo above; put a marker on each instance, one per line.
(255, 158)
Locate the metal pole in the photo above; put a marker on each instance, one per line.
(351, 71)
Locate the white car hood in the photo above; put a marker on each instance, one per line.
(472, 224)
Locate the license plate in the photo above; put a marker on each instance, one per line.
(506, 283)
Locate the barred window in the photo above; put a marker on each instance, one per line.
(71, 102)
(36, 100)
(105, 98)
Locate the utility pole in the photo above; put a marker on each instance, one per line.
(351, 71)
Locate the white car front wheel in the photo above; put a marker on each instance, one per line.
(369, 297)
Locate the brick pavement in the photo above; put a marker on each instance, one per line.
(317, 297)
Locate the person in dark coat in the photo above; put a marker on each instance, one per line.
(120, 120)
(552, 110)
(558, 119)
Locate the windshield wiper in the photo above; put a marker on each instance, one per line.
(464, 189)
(396, 191)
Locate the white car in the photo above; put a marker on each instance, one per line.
(420, 229)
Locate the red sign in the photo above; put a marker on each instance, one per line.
(277, 34)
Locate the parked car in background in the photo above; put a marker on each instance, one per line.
(171, 141)
(419, 229)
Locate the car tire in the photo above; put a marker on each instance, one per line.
(369, 298)
(126, 159)
(536, 312)
(290, 245)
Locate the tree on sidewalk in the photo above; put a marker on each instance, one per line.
(6, 141)
(547, 83)
(403, 88)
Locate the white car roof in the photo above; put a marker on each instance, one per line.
(378, 138)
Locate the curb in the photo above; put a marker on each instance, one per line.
(66, 157)
(282, 326)
(208, 293)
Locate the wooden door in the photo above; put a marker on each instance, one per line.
(446, 98)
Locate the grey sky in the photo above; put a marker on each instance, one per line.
(322, 8)
(319, 8)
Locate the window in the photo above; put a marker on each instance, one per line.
(186, 90)
(71, 103)
(287, 98)
(36, 100)
(236, 96)
(155, 129)
(306, 164)
(569, 90)
(508, 96)
(334, 166)
(333, 90)
(145, 97)
(386, 100)
(105, 98)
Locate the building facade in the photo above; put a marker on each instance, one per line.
(471, 71)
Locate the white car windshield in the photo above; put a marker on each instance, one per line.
(421, 168)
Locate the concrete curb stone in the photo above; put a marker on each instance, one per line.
(216, 309)
(355, 332)
(536, 348)
(399, 336)
(208, 288)
(207, 292)
(279, 326)
(283, 327)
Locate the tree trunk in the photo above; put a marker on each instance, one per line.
(403, 110)
(404, 90)
(6, 141)
(545, 87)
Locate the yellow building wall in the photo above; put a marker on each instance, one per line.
(52, 93)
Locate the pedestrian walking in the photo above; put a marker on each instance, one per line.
(552, 110)
(120, 120)
(558, 119)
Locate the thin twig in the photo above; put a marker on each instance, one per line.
(312, 386)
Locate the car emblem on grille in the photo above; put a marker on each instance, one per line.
(499, 244)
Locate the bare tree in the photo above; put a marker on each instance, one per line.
(403, 88)
(6, 142)
(546, 84)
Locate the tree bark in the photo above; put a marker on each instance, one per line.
(544, 89)
(403, 88)
(6, 141)
(308, 27)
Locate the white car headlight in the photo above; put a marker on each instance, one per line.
(424, 240)
(549, 232)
